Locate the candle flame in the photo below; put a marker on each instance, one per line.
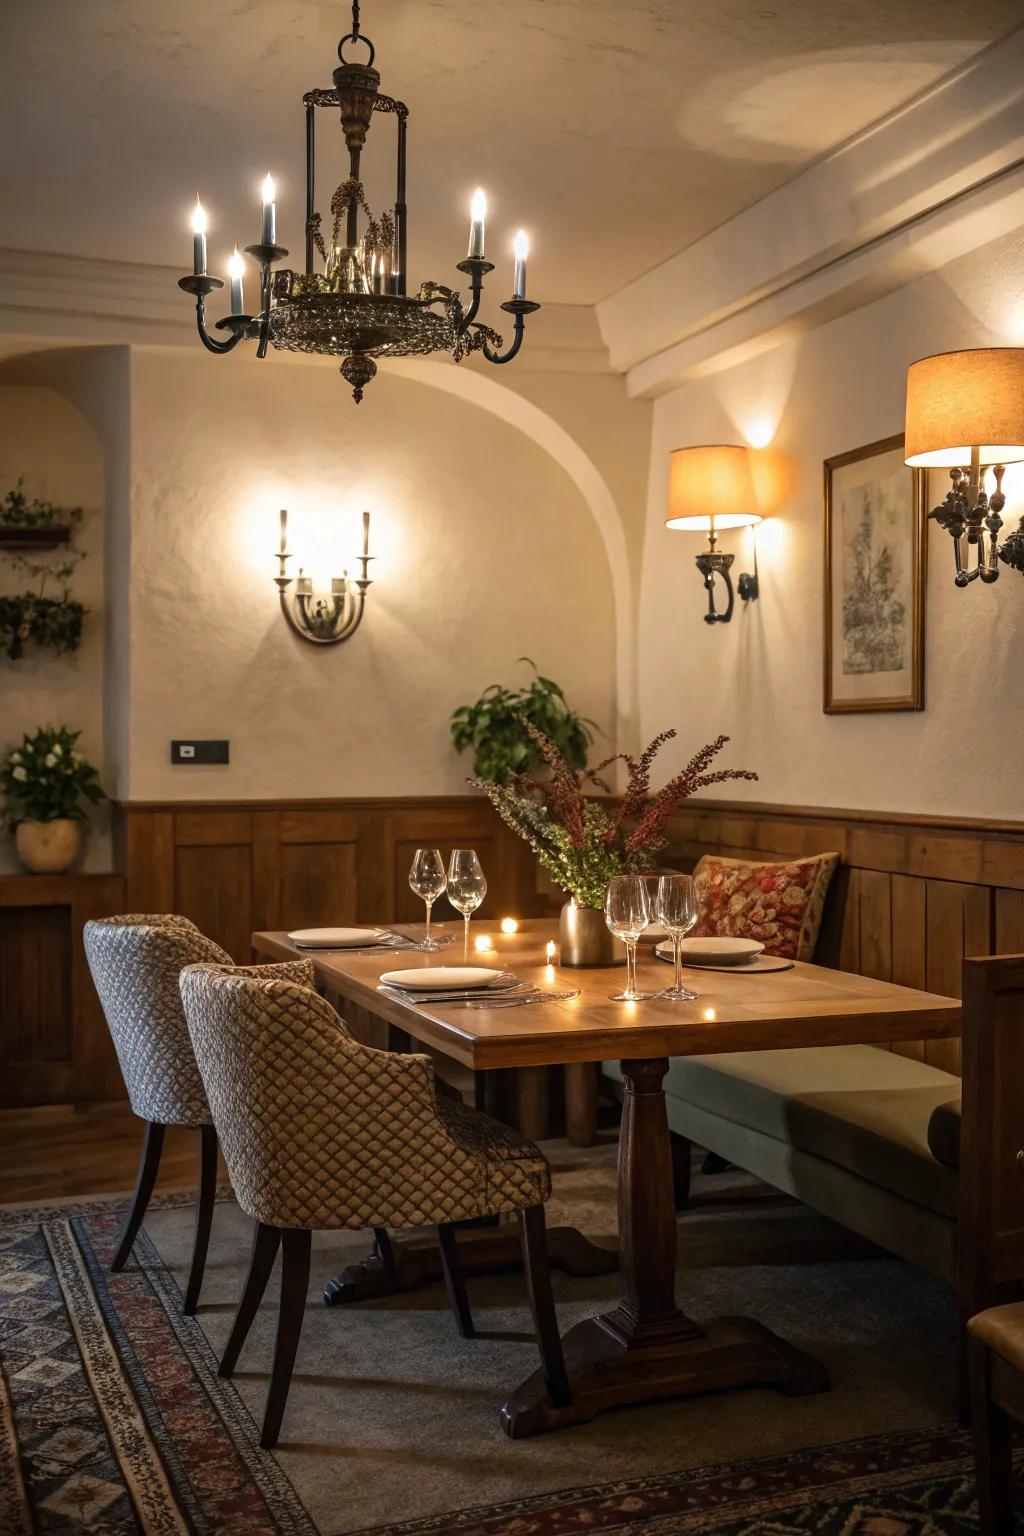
(509, 925)
(521, 245)
(478, 206)
(482, 943)
(550, 950)
(710, 1015)
(236, 266)
(267, 189)
(198, 218)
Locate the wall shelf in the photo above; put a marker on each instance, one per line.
(46, 536)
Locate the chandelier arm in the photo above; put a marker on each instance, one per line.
(476, 268)
(520, 308)
(210, 342)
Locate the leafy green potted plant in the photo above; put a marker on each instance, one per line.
(45, 782)
(583, 841)
(497, 727)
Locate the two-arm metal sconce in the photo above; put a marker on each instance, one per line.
(711, 489)
(965, 413)
(320, 620)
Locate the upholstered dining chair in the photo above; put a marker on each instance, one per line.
(135, 962)
(995, 1341)
(319, 1131)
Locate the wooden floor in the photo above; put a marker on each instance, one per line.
(57, 1152)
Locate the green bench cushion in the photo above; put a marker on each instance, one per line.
(859, 1107)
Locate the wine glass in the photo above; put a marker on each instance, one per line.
(627, 911)
(467, 885)
(427, 879)
(675, 907)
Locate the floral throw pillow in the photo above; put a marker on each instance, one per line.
(778, 904)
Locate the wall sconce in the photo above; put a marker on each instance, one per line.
(965, 413)
(317, 619)
(711, 489)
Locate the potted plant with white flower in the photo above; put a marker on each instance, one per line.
(46, 783)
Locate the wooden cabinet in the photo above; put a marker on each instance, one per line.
(54, 1045)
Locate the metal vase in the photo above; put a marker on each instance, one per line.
(583, 937)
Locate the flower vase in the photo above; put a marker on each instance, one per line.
(48, 847)
(584, 938)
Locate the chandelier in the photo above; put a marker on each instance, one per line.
(355, 306)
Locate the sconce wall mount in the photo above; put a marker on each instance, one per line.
(322, 620)
(711, 489)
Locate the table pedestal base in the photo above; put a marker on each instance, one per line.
(416, 1261)
(610, 1367)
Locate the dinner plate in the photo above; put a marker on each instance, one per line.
(756, 965)
(336, 938)
(441, 978)
(723, 951)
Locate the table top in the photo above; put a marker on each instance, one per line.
(808, 1005)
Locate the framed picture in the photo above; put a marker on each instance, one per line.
(875, 552)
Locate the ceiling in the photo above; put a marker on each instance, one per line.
(615, 133)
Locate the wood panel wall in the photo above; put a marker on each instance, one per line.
(236, 868)
(913, 896)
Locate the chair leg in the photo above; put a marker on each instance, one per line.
(265, 1241)
(149, 1162)
(204, 1215)
(294, 1284)
(455, 1279)
(993, 1449)
(534, 1235)
(386, 1252)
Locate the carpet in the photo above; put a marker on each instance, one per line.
(112, 1418)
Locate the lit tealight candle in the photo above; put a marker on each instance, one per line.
(520, 250)
(550, 952)
(268, 233)
(477, 215)
(549, 973)
(236, 272)
(482, 943)
(710, 1015)
(199, 239)
(509, 925)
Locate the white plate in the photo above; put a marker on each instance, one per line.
(441, 978)
(336, 938)
(724, 951)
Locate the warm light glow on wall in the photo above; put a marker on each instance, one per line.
(759, 431)
(324, 530)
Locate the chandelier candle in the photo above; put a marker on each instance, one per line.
(236, 272)
(268, 232)
(199, 239)
(477, 216)
(521, 249)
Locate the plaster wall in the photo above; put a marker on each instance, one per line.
(759, 679)
(486, 549)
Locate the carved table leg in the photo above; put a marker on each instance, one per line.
(415, 1261)
(647, 1348)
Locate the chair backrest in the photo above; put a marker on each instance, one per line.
(135, 962)
(317, 1130)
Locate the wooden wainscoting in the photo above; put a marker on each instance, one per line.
(913, 895)
(233, 868)
(54, 1046)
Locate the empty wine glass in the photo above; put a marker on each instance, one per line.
(467, 885)
(627, 911)
(675, 907)
(427, 879)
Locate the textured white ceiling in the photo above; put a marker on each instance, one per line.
(615, 133)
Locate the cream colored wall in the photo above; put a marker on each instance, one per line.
(45, 438)
(487, 551)
(759, 679)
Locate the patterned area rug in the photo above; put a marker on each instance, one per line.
(112, 1419)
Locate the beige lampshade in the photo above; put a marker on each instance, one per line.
(710, 487)
(957, 401)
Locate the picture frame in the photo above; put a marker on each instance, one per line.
(875, 568)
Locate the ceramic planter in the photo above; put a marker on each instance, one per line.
(48, 847)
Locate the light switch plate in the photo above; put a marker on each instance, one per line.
(191, 753)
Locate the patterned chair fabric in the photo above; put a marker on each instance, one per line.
(320, 1131)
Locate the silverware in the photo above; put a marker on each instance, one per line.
(521, 1000)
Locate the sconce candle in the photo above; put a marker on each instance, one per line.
(520, 249)
(236, 272)
(268, 232)
(323, 621)
(199, 239)
(477, 216)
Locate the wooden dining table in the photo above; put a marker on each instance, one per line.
(645, 1348)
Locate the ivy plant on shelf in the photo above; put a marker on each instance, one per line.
(498, 729)
(52, 622)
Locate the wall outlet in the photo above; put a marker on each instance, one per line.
(194, 752)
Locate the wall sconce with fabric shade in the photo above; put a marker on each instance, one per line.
(710, 490)
(320, 620)
(965, 413)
